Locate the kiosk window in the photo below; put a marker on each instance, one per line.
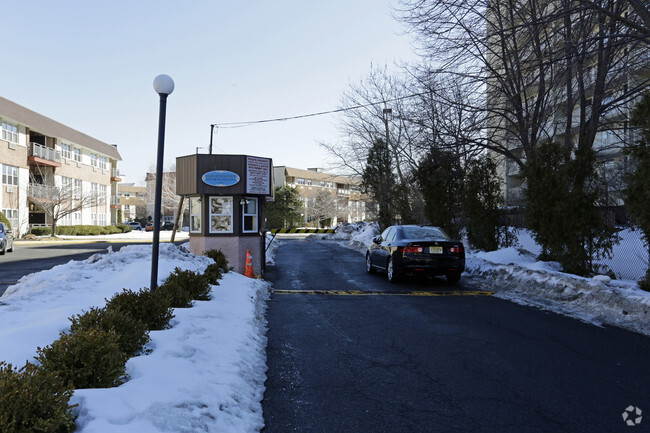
(250, 215)
(220, 214)
(195, 214)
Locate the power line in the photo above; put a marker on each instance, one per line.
(229, 125)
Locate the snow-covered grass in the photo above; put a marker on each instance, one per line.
(206, 373)
(515, 274)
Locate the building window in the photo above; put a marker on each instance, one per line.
(76, 218)
(76, 153)
(300, 181)
(102, 163)
(9, 175)
(195, 214)
(12, 216)
(65, 151)
(102, 219)
(221, 214)
(93, 219)
(10, 132)
(93, 160)
(77, 189)
(308, 181)
(102, 193)
(249, 215)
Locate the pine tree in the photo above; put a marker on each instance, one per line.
(285, 211)
(484, 205)
(378, 180)
(440, 179)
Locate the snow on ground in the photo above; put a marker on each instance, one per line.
(206, 373)
(515, 274)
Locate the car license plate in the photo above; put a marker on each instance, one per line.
(435, 250)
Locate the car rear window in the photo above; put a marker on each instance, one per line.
(432, 233)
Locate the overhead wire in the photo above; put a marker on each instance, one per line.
(230, 125)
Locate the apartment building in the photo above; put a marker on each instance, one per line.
(349, 204)
(132, 201)
(553, 92)
(40, 158)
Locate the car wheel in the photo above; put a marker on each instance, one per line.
(4, 249)
(11, 250)
(369, 267)
(391, 272)
(453, 277)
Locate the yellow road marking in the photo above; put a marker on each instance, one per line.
(409, 293)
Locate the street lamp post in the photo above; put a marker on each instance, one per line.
(164, 86)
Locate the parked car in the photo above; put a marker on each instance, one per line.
(6, 239)
(411, 249)
(136, 225)
(148, 227)
(167, 226)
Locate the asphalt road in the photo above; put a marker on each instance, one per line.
(466, 362)
(30, 257)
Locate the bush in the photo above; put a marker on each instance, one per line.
(111, 230)
(177, 296)
(41, 231)
(152, 310)
(34, 400)
(220, 259)
(87, 358)
(132, 334)
(195, 284)
(213, 274)
(124, 228)
(66, 230)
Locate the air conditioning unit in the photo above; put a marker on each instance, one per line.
(11, 188)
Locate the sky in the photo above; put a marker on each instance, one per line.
(90, 65)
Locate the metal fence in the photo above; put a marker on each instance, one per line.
(629, 259)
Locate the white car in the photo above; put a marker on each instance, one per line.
(136, 225)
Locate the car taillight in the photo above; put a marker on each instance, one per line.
(457, 249)
(413, 249)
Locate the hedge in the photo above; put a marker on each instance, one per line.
(81, 230)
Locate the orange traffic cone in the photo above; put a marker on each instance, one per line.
(249, 265)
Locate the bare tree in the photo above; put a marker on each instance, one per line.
(322, 207)
(59, 201)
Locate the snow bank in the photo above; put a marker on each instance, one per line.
(359, 235)
(206, 373)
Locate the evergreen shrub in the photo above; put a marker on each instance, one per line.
(213, 274)
(196, 285)
(124, 228)
(152, 309)
(41, 231)
(87, 358)
(33, 399)
(220, 259)
(131, 333)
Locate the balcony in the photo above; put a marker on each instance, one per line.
(43, 192)
(115, 202)
(115, 175)
(43, 156)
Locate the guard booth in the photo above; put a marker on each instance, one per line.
(227, 196)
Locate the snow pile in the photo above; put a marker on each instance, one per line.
(206, 373)
(359, 235)
(272, 244)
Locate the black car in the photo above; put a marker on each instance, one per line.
(411, 249)
(6, 239)
(167, 226)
